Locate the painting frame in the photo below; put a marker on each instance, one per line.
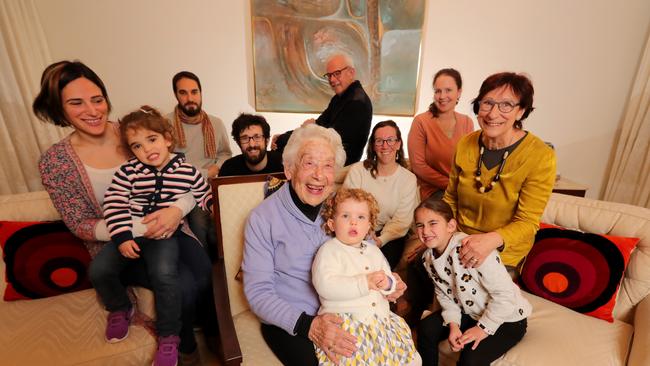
(292, 40)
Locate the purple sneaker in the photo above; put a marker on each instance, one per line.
(117, 325)
(167, 353)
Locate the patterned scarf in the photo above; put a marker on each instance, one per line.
(209, 144)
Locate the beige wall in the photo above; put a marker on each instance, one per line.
(581, 55)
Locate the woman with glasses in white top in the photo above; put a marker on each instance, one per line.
(385, 174)
(502, 176)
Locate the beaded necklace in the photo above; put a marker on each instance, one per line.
(477, 174)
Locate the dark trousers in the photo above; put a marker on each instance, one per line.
(289, 349)
(431, 332)
(193, 277)
(419, 291)
(202, 226)
(393, 250)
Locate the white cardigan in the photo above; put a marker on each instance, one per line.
(339, 276)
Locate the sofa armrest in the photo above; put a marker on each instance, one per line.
(229, 344)
(640, 351)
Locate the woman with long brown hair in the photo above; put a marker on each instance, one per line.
(385, 174)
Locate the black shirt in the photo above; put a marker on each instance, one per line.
(349, 114)
(237, 165)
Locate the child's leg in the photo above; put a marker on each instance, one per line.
(494, 346)
(430, 333)
(161, 259)
(104, 273)
(202, 226)
(419, 292)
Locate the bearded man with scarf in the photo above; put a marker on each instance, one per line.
(201, 137)
(204, 141)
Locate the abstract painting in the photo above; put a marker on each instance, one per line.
(293, 39)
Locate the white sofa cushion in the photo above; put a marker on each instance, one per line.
(253, 347)
(559, 336)
(67, 330)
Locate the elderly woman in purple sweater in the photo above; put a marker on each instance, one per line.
(282, 237)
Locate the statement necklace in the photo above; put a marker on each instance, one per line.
(477, 175)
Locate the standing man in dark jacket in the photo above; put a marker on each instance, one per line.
(349, 111)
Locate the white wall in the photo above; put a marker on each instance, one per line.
(582, 56)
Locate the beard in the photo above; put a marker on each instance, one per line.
(253, 160)
(190, 112)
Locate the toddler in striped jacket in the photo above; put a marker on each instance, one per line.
(153, 179)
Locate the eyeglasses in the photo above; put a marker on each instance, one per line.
(336, 73)
(504, 107)
(390, 141)
(247, 139)
(310, 164)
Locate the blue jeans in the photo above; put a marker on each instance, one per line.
(110, 273)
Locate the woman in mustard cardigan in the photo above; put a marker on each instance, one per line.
(501, 176)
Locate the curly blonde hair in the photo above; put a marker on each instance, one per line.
(359, 195)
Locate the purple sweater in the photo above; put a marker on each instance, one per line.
(280, 245)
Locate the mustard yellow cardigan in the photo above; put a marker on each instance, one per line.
(514, 206)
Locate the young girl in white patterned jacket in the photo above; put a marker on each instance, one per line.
(483, 313)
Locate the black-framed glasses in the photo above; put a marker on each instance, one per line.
(247, 139)
(390, 141)
(504, 107)
(335, 73)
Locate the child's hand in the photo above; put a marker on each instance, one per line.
(129, 249)
(473, 334)
(454, 337)
(378, 281)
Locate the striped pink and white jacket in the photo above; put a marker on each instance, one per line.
(138, 189)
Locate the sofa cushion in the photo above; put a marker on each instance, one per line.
(42, 259)
(610, 218)
(559, 336)
(253, 347)
(30, 206)
(578, 270)
(68, 330)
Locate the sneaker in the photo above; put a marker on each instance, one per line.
(117, 325)
(167, 353)
(189, 359)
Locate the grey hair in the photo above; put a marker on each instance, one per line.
(301, 135)
(348, 60)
